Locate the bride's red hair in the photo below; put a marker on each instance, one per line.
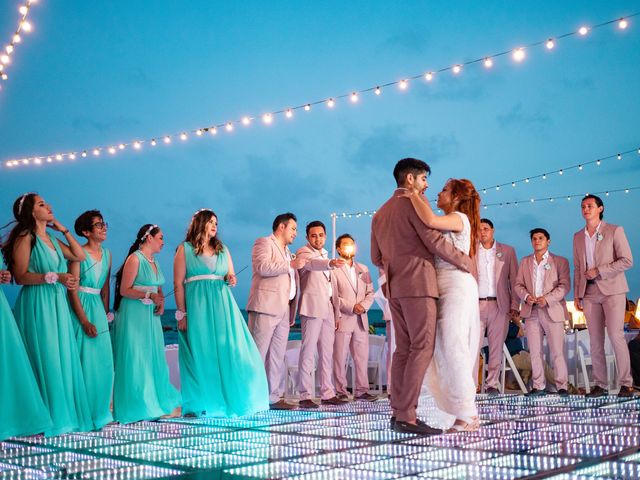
(467, 198)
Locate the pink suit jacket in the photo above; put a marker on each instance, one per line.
(315, 278)
(612, 257)
(506, 269)
(557, 283)
(270, 285)
(405, 247)
(349, 295)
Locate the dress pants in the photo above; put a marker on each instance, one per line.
(358, 342)
(414, 323)
(607, 312)
(537, 326)
(271, 334)
(317, 337)
(496, 325)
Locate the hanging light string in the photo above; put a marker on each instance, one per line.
(518, 54)
(23, 26)
(513, 203)
(560, 171)
(513, 183)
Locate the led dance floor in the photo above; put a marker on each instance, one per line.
(548, 437)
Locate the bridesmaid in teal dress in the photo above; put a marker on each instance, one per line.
(221, 370)
(38, 261)
(22, 411)
(90, 305)
(142, 390)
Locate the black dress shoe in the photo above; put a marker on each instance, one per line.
(563, 392)
(333, 401)
(366, 397)
(418, 429)
(308, 403)
(492, 392)
(342, 396)
(626, 392)
(596, 392)
(536, 393)
(392, 422)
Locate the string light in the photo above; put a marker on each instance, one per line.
(486, 60)
(23, 26)
(183, 136)
(583, 31)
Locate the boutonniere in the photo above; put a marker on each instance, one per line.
(547, 266)
(599, 236)
(499, 254)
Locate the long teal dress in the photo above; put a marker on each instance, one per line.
(142, 390)
(22, 411)
(44, 319)
(221, 370)
(96, 354)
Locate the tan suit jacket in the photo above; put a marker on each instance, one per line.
(612, 257)
(506, 269)
(315, 279)
(557, 283)
(270, 281)
(349, 295)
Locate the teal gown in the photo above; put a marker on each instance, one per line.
(44, 319)
(142, 390)
(221, 370)
(22, 411)
(96, 355)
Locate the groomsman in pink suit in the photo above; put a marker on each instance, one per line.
(355, 294)
(542, 283)
(497, 268)
(601, 254)
(318, 309)
(405, 247)
(273, 299)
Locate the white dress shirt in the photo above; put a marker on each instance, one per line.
(486, 271)
(292, 277)
(352, 275)
(539, 271)
(590, 246)
(327, 273)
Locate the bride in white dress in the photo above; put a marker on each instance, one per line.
(450, 376)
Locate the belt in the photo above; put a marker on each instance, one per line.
(195, 278)
(591, 282)
(92, 291)
(488, 299)
(144, 288)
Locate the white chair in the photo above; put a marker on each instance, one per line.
(507, 365)
(376, 364)
(583, 352)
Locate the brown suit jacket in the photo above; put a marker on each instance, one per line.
(349, 295)
(557, 283)
(270, 281)
(405, 247)
(506, 269)
(612, 256)
(315, 279)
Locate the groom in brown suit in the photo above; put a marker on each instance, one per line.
(405, 248)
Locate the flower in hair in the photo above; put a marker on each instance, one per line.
(22, 199)
(146, 234)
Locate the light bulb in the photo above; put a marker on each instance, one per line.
(49, 159)
(623, 23)
(137, 145)
(23, 9)
(84, 154)
(354, 97)
(519, 54)
(307, 107)
(428, 76)
(8, 48)
(488, 62)
(167, 139)
(331, 103)
(58, 157)
(457, 69)
(619, 157)
(17, 38)
(37, 161)
(403, 84)
(72, 156)
(213, 131)
(153, 142)
(5, 59)
(183, 136)
(121, 146)
(246, 120)
(26, 26)
(583, 30)
(267, 118)
(229, 126)
(289, 113)
(96, 151)
(550, 44)
(377, 91)
(112, 150)
(199, 132)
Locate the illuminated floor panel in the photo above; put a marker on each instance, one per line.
(520, 437)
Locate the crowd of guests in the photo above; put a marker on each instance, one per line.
(62, 369)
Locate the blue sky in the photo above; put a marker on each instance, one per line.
(100, 73)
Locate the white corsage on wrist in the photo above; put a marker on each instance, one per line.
(180, 315)
(110, 317)
(147, 299)
(51, 278)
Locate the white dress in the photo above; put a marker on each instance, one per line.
(450, 376)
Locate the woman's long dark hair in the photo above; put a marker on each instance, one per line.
(25, 224)
(135, 246)
(196, 233)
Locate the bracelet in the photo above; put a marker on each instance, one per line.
(180, 314)
(50, 278)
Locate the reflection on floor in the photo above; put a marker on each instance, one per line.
(520, 438)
